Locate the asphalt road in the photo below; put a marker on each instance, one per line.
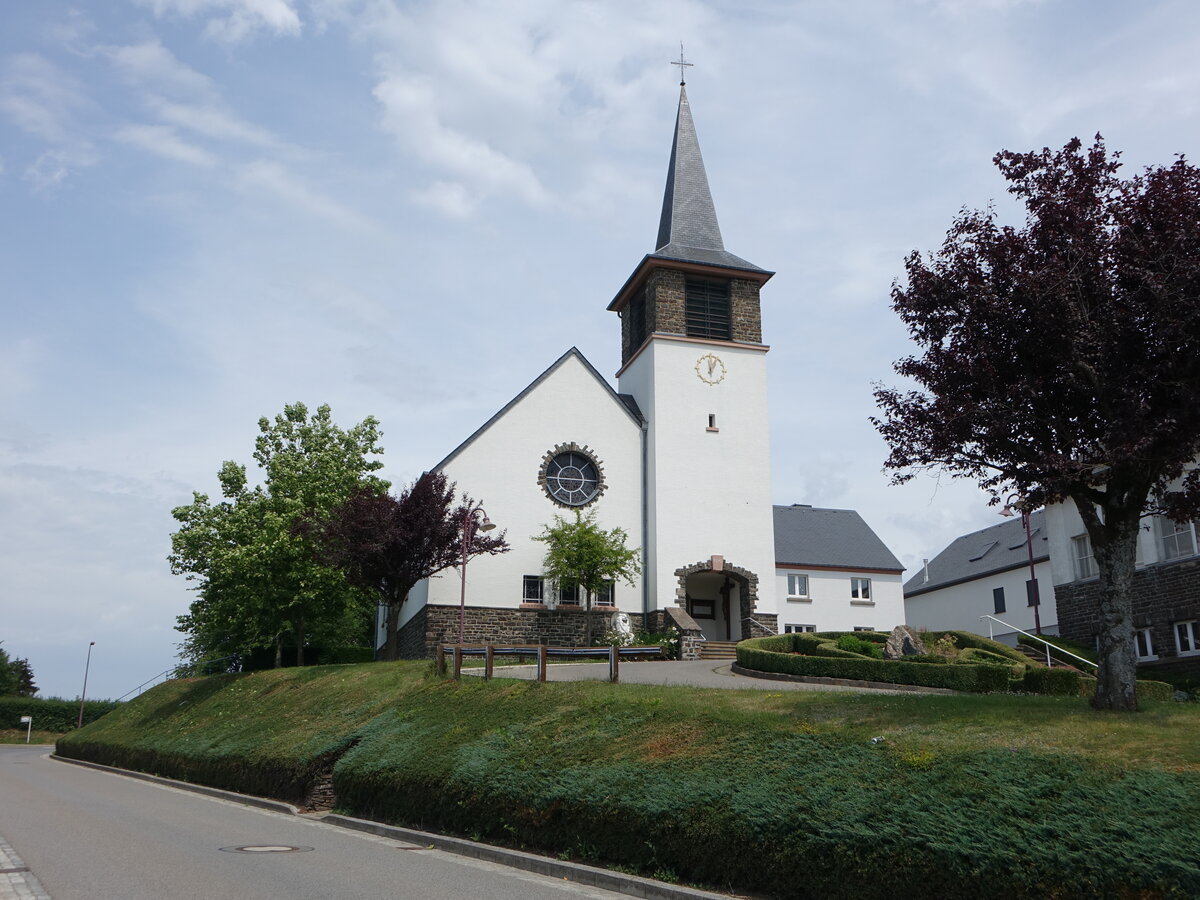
(91, 835)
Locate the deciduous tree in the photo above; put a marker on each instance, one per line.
(582, 553)
(258, 580)
(1061, 359)
(388, 544)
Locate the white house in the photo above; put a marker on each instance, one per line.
(833, 573)
(986, 573)
(1166, 587)
(677, 454)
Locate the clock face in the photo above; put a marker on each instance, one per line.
(711, 369)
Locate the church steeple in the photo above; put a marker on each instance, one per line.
(688, 229)
(690, 286)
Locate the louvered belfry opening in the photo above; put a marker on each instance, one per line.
(708, 313)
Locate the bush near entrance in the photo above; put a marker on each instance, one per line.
(977, 664)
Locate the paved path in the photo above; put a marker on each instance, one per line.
(694, 673)
(92, 835)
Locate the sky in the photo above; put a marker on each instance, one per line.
(212, 208)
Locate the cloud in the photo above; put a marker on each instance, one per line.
(150, 63)
(278, 181)
(53, 167)
(233, 21)
(39, 97)
(411, 114)
(163, 141)
(450, 198)
(215, 123)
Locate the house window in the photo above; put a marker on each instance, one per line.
(798, 629)
(1145, 647)
(998, 600)
(863, 628)
(534, 589)
(1085, 562)
(860, 588)
(568, 594)
(604, 596)
(707, 307)
(1175, 539)
(797, 587)
(1187, 637)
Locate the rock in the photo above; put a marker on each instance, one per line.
(903, 641)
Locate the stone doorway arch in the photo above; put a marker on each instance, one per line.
(746, 583)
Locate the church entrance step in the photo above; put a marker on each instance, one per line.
(1039, 655)
(718, 650)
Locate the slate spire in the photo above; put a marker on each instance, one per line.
(688, 229)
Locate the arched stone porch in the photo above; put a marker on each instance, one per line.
(725, 596)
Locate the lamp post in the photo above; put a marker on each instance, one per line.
(83, 693)
(469, 525)
(1020, 504)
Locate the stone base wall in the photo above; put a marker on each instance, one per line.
(760, 625)
(1162, 595)
(562, 627)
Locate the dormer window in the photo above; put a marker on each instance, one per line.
(708, 308)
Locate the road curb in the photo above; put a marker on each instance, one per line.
(233, 797)
(592, 876)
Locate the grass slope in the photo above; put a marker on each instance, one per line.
(779, 792)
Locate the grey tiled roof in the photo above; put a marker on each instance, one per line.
(996, 548)
(688, 229)
(805, 536)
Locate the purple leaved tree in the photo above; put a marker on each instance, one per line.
(1061, 360)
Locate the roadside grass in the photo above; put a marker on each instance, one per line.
(15, 736)
(1019, 796)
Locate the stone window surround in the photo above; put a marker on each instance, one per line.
(572, 447)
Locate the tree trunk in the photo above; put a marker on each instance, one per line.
(279, 651)
(1114, 546)
(587, 619)
(300, 640)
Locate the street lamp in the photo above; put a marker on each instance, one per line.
(83, 693)
(470, 523)
(1020, 504)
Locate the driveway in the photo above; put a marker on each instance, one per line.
(707, 673)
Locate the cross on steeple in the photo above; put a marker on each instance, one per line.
(682, 63)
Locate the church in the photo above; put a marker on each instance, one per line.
(677, 454)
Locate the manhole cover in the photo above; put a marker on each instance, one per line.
(266, 848)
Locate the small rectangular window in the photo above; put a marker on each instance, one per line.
(863, 628)
(798, 629)
(604, 596)
(998, 600)
(860, 588)
(1145, 647)
(797, 586)
(1085, 562)
(568, 594)
(1187, 637)
(712, 422)
(534, 589)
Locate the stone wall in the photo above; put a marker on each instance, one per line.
(561, 627)
(760, 625)
(746, 311)
(1162, 595)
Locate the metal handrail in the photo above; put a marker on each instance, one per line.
(1036, 638)
(760, 624)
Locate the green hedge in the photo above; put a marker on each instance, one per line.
(1057, 645)
(752, 654)
(50, 714)
(1058, 682)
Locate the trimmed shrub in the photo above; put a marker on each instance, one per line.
(855, 644)
(968, 640)
(1059, 682)
(931, 658)
(1154, 690)
(1057, 645)
(976, 679)
(51, 714)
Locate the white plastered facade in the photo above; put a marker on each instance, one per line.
(830, 605)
